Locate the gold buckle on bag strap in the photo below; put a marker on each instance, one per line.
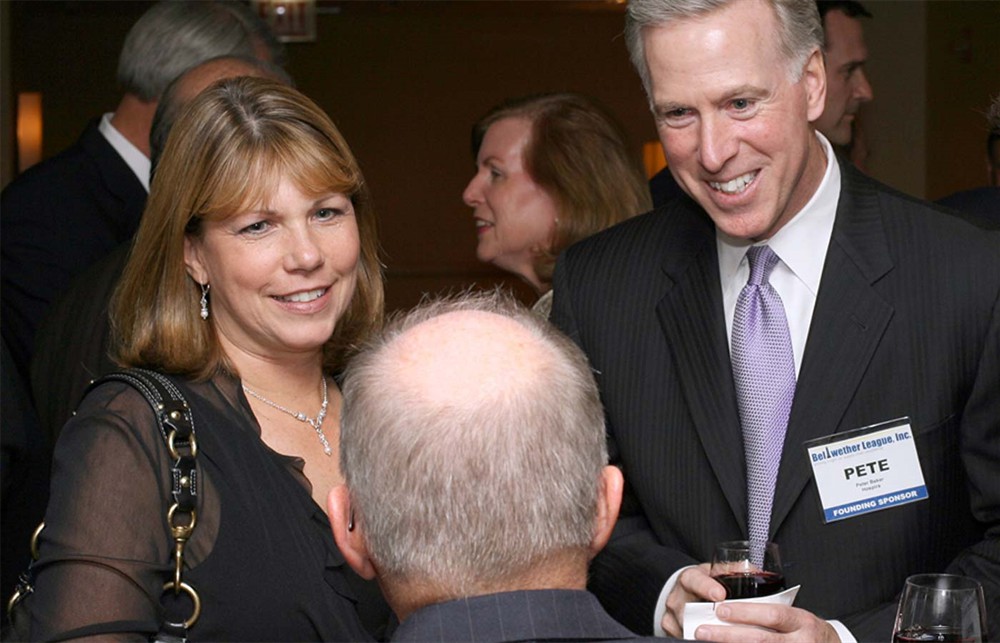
(24, 586)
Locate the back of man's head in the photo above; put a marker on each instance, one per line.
(473, 448)
(183, 89)
(175, 35)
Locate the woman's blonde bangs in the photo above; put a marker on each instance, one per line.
(253, 170)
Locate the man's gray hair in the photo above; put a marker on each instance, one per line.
(801, 30)
(171, 104)
(173, 36)
(472, 493)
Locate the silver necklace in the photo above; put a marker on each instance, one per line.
(316, 424)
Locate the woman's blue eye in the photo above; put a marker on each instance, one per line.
(325, 214)
(256, 227)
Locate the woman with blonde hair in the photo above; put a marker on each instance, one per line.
(254, 275)
(551, 169)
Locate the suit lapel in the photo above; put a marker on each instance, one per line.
(692, 318)
(848, 323)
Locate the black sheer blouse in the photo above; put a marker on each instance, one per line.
(262, 556)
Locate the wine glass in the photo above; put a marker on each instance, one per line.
(747, 569)
(941, 607)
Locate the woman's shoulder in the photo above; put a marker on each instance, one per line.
(121, 392)
(113, 411)
(110, 399)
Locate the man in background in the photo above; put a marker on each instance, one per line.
(477, 486)
(63, 214)
(847, 86)
(984, 202)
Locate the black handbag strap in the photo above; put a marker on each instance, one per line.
(176, 423)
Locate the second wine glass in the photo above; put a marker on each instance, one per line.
(941, 607)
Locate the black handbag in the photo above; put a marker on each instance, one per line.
(176, 424)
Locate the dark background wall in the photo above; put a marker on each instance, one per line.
(405, 80)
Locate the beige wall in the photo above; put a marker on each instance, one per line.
(405, 81)
(963, 73)
(894, 122)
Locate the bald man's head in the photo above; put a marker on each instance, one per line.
(472, 442)
(466, 358)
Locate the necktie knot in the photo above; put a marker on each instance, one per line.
(762, 261)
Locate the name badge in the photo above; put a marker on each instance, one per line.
(867, 469)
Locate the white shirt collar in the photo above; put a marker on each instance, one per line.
(802, 242)
(136, 160)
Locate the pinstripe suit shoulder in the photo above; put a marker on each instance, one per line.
(535, 615)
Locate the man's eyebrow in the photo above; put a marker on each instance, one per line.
(667, 106)
(742, 90)
(746, 89)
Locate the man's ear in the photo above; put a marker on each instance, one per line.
(192, 259)
(609, 501)
(347, 532)
(814, 80)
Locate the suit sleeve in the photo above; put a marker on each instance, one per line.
(630, 572)
(42, 250)
(979, 442)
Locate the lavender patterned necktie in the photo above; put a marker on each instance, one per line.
(764, 372)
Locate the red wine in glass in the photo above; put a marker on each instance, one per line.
(751, 584)
(748, 570)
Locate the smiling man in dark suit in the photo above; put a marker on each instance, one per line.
(786, 299)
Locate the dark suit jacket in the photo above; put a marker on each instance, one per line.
(57, 218)
(72, 342)
(24, 469)
(537, 615)
(906, 323)
(980, 202)
(663, 187)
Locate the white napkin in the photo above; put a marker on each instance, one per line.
(696, 614)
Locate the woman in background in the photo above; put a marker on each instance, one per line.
(253, 276)
(551, 170)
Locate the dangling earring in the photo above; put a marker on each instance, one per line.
(204, 300)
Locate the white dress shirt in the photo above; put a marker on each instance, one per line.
(136, 160)
(801, 246)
